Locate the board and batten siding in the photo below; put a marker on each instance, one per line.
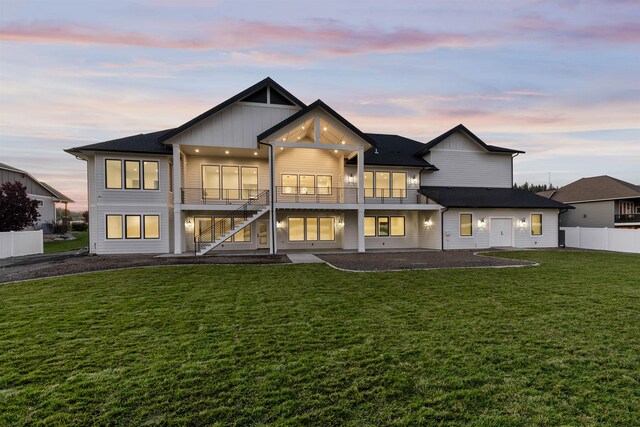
(33, 186)
(463, 163)
(236, 126)
(481, 238)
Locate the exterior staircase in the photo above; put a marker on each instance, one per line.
(229, 225)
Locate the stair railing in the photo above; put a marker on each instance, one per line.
(224, 225)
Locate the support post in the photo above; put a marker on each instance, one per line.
(360, 176)
(273, 232)
(361, 230)
(178, 223)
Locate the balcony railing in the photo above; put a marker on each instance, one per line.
(626, 218)
(218, 196)
(394, 196)
(293, 194)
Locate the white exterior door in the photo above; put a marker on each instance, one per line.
(263, 234)
(501, 231)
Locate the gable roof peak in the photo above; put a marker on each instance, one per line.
(462, 128)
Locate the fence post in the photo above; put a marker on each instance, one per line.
(578, 233)
(12, 235)
(606, 239)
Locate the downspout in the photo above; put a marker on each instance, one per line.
(442, 227)
(512, 157)
(272, 196)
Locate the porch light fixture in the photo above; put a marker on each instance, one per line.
(279, 224)
(188, 225)
(414, 180)
(523, 222)
(482, 223)
(340, 223)
(428, 223)
(197, 151)
(226, 152)
(351, 178)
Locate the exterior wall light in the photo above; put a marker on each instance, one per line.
(523, 222)
(188, 225)
(351, 178)
(428, 223)
(482, 223)
(279, 225)
(414, 180)
(340, 223)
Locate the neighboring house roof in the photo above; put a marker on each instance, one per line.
(393, 150)
(147, 143)
(58, 196)
(461, 128)
(602, 187)
(256, 87)
(307, 109)
(481, 197)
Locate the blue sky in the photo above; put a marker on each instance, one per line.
(558, 79)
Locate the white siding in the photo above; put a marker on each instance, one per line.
(47, 210)
(481, 238)
(104, 201)
(236, 126)
(430, 237)
(463, 163)
(307, 161)
(412, 231)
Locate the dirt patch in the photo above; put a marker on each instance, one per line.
(380, 261)
(72, 264)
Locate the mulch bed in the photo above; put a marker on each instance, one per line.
(83, 264)
(380, 261)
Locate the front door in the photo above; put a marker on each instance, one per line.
(501, 232)
(263, 234)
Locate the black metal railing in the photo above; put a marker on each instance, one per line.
(220, 196)
(400, 196)
(301, 194)
(622, 218)
(223, 226)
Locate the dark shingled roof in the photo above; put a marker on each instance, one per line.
(482, 197)
(602, 187)
(461, 128)
(256, 87)
(317, 104)
(148, 143)
(394, 150)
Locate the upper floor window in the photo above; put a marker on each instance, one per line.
(134, 178)
(385, 184)
(536, 224)
(229, 182)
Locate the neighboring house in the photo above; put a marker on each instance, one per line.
(46, 195)
(599, 201)
(263, 170)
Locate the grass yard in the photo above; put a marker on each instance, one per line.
(307, 344)
(81, 241)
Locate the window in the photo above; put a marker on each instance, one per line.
(202, 225)
(211, 181)
(230, 185)
(382, 184)
(536, 224)
(40, 202)
(368, 184)
(312, 229)
(114, 226)
(307, 184)
(466, 228)
(150, 175)
(113, 171)
(369, 226)
(132, 174)
(289, 184)
(383, 226)
(625, 207)
(132, 227)
(296, 229)
(151, 227)
(397, 226)
(249, 182)
(244, 235)
(324, 184)
(327, 229)
(399, 185)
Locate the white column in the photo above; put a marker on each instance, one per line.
(178, 223)
(361, 176)
(273, 231)
(360, 230)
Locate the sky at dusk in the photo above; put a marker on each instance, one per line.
(557, 79)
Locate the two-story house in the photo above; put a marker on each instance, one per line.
(263, 170)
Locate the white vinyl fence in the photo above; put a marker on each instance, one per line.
(16, 243)
(606, 239)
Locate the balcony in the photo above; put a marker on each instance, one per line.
(319, 195)
(218, 196)
(627, 218)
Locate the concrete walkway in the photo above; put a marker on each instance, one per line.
(304, 258)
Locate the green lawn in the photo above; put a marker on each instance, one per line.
(81, 241)
(307, 344)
